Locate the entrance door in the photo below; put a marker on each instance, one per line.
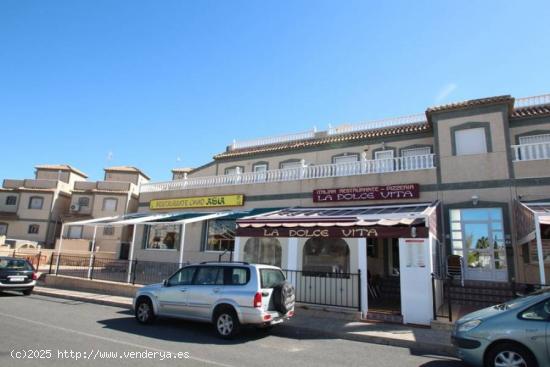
(478, 236)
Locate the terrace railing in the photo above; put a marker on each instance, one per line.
(304, 172)
(378, 124)
(531, 152)
(272, 140)
(532, 101)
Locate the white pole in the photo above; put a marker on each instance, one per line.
(92, 254)
(540, 255)
(131, 257)
(182, 243)
(237, 249)
(362, 255)
(59, 248)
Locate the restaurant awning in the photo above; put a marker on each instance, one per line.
(364, 221)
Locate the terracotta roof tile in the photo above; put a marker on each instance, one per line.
(531, 111)
(354, 136)
(471, 103)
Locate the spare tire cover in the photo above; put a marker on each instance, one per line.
(283, 297)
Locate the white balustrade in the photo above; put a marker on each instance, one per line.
(362, 167)
(532, 101)
(272, 140)
(378, 124)
(531, 152)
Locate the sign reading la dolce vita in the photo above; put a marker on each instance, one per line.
(198, 202)
(388, 192)
(333, 232)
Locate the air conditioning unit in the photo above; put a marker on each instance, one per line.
(75, 207)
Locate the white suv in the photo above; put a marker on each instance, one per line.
(228, 294)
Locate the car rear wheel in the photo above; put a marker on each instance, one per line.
(27, 292)
(227, 323)
(144, 311)
(508, 355)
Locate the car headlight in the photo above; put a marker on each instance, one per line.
(469, 325)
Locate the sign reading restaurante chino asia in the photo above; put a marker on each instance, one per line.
(389, 192)
(198, 202)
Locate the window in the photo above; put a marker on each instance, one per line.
(220, 235)
(470, 141)
(182, 277)
(269, 278)
(33, 229)
(11, 200)
(163, 237)
(416, 158)
(372, 247)
(538, 312)
(209, 275)
(108, 231)
(3, 229)
(233, 170)
(384, 161)
(291, 164)
(84, 201)
(346, 158)
(36, 202)
(110, 204)
(75, 232)
(259, 167)
(323, 256)
(261, 250)
(236, 276)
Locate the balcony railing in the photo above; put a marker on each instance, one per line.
(272, 140)
(531, 152)
(363, 167)
(379, 124)
(532, 101)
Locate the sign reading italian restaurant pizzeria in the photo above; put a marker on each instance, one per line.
(198, 202)
(388, 192)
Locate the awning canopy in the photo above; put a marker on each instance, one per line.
(364, 221)
(527, 215)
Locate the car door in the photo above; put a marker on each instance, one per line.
(534, 323)
(172, 297)
(205, 291)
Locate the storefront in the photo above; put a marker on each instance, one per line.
(323, 248)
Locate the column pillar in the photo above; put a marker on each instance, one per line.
(237, 249)
(362, 257)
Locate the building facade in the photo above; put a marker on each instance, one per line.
(32, 209)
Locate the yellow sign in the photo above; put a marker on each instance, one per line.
(198, 202)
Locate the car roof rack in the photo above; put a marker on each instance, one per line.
(225, 262)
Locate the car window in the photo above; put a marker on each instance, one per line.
(236, 276)
(182, 277)
(271, 277)
(209, 275)
(14, 264)
(540, 312)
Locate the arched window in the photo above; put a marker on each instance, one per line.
(325, 255)
(260, 250)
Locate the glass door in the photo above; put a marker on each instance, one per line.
(478, 236)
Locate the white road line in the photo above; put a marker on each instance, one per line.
(109, 339)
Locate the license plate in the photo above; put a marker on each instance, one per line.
(17, 279)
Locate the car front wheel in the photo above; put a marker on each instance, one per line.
(510, 354)
(144, 311)
(27, 292)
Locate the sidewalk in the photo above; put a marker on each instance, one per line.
(324, 323)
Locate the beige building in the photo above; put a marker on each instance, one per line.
(116, 195)
(32, 209)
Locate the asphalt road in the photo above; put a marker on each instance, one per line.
(58, 332)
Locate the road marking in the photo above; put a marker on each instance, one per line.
(111, 340)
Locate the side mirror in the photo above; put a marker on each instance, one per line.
(165, 283)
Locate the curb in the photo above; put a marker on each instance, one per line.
(429, 348)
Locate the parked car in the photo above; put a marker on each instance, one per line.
(226, 294)
(16, 275)
(515, 333)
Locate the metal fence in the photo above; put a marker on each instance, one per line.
(327, 289)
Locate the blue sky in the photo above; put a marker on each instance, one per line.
(161, 84)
